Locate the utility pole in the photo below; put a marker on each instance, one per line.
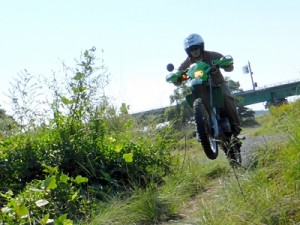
(251, 74)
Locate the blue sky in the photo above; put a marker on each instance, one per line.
(139, 38)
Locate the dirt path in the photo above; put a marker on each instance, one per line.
(189, 211)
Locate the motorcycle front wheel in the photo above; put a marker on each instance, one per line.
(204, 129)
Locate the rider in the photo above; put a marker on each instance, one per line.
(194, 47)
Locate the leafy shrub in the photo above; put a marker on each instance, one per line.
(47, 200)
(86, 138)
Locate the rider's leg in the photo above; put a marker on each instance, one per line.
(230, 108)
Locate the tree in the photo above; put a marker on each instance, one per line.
(246, 115)
(7, 124)
(181, 113)
(234, 86)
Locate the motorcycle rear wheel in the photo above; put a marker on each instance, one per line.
(204, 130)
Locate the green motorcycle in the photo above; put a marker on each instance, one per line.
(207, 101)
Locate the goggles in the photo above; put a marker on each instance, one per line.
(193, 48)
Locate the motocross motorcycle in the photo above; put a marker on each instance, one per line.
(207, 101)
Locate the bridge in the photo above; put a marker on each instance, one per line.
(273, 94)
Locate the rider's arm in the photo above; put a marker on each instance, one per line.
(216, 55)
(185, 64)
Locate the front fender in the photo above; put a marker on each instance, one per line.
(190, 100)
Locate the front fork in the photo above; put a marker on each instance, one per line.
(205, 92)
(213, 111)
(214, 123)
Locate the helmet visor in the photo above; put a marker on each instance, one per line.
(194, 48)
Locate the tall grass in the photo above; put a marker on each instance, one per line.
(266, 194)
(270, 193)
(159, 203)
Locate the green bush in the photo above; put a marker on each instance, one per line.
(45, 200)
(85, 139)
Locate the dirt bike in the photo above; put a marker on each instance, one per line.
(207, 101)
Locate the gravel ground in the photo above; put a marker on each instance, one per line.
(250, 144)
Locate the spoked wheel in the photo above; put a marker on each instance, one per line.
(204, 129)
(232, 148)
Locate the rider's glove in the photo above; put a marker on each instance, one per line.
(228, 68)
(178, 83)
(182, 78)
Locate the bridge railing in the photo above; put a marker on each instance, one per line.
(278, 84)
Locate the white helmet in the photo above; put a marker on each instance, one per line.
(193, 40)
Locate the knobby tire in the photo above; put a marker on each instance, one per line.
(204, 130)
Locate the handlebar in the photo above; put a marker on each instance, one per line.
(198, 70)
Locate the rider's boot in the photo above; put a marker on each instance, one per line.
(236, 129)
